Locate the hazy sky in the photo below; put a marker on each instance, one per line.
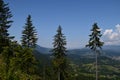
(75, 16)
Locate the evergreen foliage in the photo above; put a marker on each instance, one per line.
(18, 63)
(94, 41)
(24, 63)
(59, 53)
(5, 24)
(29, 35)
(95, 44)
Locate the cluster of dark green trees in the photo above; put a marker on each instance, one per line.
(17, 61)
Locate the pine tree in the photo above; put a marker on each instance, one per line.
(29, 36)
(95, 44)
(59, 53)
(5, 24)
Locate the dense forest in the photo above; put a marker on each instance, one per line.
(23, 61)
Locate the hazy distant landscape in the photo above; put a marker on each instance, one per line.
(83, 61)
(108, 50)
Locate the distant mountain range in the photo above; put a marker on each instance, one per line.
(107, 50)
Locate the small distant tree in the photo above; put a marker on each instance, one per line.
(95, 44)
(59, 53)
(5, 24)
(29, 34)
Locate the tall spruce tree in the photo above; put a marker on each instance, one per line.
(29, 39)
(59, 54)
(29, 35)
(5, 38)
(5, 24)
(95, 44)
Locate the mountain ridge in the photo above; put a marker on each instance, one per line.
(109, 50)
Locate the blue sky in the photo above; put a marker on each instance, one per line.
(75, 16)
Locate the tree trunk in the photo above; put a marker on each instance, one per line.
(96, 65)
(58, 74)
(44, 72)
